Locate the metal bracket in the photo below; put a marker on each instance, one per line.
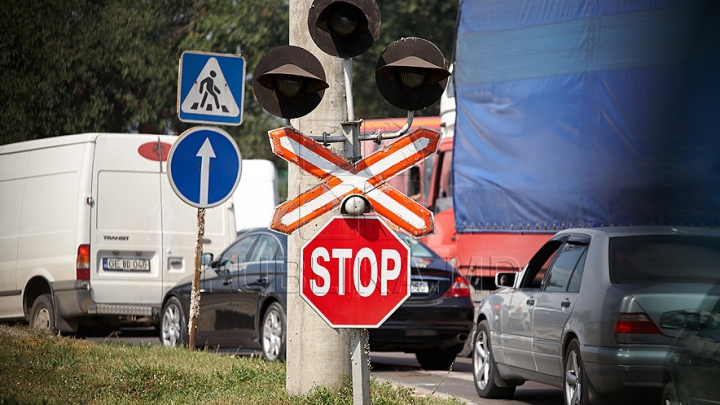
(378, 136)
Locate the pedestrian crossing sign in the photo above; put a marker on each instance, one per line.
(211, 88)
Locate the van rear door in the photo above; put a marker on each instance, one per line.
(126, 227)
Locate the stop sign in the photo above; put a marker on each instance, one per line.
(355, 272)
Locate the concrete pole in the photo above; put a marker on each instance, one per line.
(317, 355)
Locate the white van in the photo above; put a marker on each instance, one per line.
(256, 196)
(90, 229)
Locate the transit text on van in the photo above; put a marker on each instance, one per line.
(113, 237)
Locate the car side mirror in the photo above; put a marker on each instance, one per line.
(206, 259)
(505, 279)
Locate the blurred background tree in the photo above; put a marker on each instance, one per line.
(433, 20)
(75, 66)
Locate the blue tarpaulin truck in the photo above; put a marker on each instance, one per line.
(576, 113)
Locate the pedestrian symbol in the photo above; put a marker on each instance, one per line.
(211, 88)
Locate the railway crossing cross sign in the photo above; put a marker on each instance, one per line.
(341, 178)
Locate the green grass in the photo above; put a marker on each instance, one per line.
(37, 368)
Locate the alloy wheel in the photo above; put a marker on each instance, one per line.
(272, 335)
(481, 360)
(171, 326)
(573, 384)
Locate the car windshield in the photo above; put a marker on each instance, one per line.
(417, 249)
(664, 258)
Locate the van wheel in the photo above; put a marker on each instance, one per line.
(173, 326)
(273, 333)
(42, 315)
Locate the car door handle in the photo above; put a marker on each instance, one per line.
(227, 281)
(530, 302)
(565, 304)
(262, 280)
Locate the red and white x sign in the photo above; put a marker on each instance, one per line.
(341, 178)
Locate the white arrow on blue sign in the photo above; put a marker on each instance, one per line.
(204, 166)
(211, 88)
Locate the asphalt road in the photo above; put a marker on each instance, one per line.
(403, 369)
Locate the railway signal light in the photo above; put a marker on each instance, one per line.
(289, 82)
(344, 28)
(411, 73)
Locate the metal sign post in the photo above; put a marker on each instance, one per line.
(204, 168)
(195, 289)
(360, 358)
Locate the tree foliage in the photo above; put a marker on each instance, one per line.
(250, 28)
(74, 66)
(70, 66)
(433, 20)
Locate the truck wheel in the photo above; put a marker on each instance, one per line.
(42, 316)
(173, 326)
(484, 368)
(273, 333)
(436, 359)
(574, 378)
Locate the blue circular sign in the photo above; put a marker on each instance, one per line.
(204, 166)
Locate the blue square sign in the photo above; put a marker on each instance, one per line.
(211, 88)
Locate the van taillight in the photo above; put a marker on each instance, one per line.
(459, 288)
(82, 264)
(635, 323)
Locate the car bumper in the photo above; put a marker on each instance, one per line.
(413, 328)
(73, 298)
(612, 370)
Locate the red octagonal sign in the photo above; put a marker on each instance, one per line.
(355, 272)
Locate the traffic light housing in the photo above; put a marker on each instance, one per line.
(411, 73)
(289, 82)
(344, 28)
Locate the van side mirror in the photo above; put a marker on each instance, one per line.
(206, 259)
(505, 279)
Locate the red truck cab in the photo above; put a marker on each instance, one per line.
(477, 255)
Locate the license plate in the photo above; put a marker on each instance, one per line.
(419, 287)
(121, 264)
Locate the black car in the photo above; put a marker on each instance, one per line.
(242, 298)
(243, 304)
(437, 318)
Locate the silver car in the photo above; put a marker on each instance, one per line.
(593, 312)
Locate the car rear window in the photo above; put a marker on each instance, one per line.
(664, 258)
